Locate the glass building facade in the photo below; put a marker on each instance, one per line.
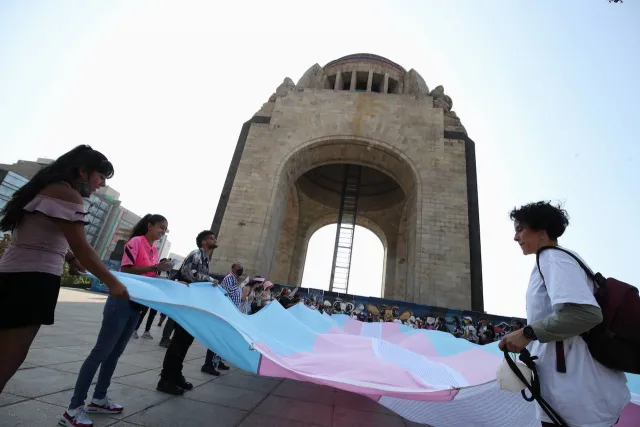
(107, 221)
(98, 209)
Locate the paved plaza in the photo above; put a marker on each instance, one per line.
(39, 393)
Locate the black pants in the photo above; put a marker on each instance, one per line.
(152, 315)
(162, 317)
(168, 328)
(174, 357)
(209, 358)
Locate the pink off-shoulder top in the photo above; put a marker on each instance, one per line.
(38, 243)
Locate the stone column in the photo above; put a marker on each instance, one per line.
(385, 83)
(369, 81)
(354, 80)
(338, 83)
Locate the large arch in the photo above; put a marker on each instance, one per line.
(345, 149)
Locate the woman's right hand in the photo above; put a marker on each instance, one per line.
(118, 290)
(164, 266)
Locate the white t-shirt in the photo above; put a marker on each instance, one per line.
(588, 394)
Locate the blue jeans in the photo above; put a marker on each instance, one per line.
(118, 322)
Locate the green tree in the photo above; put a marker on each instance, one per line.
(4, 244)
(71, 277)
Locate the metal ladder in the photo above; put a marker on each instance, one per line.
(346, 227)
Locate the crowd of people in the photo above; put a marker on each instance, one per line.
(47, 220)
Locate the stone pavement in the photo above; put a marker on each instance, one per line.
(40, 391)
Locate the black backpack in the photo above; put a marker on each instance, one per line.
(616, 341)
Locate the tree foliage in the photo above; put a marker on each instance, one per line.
(71, 277)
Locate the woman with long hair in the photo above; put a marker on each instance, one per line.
(118, 323)
(46, 217)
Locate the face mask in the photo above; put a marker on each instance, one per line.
(240, 271)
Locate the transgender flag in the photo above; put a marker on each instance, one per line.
(425, 376)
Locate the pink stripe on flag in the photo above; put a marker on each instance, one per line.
(271, 369)
(482, 370)
(361, 366)
(352, 327)
(418, 343)
(630, 416)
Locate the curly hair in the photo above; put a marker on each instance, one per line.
(542, 216)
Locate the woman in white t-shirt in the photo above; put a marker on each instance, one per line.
(560, 307)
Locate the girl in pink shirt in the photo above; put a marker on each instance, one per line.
(45, 217)
(118, 323)
(139, 253)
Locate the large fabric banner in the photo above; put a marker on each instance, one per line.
(426, 376)
(371, 309)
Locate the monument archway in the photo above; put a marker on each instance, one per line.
(367, 266)
(305, 194)
(367, 112)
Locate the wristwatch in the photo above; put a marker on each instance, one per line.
(529, 333)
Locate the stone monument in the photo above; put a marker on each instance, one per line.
(413, 181)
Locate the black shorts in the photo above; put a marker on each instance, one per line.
(28, 299)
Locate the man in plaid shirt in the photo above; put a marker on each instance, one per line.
(230, 285)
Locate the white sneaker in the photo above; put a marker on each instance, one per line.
(104, 406)
(147, 335)
(75, 418)
(135, 335)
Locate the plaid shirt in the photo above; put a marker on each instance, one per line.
(230, 284)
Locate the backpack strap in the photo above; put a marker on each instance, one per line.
(578, 260)
(561, 361)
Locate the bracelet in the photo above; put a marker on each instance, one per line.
(72, 259)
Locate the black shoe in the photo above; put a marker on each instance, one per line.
(209, 369)
(183, 384)
(169, 387)
(164, 343)
(223, 367)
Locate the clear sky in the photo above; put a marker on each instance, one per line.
(548, 90)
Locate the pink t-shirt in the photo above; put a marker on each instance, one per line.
(138, 252)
